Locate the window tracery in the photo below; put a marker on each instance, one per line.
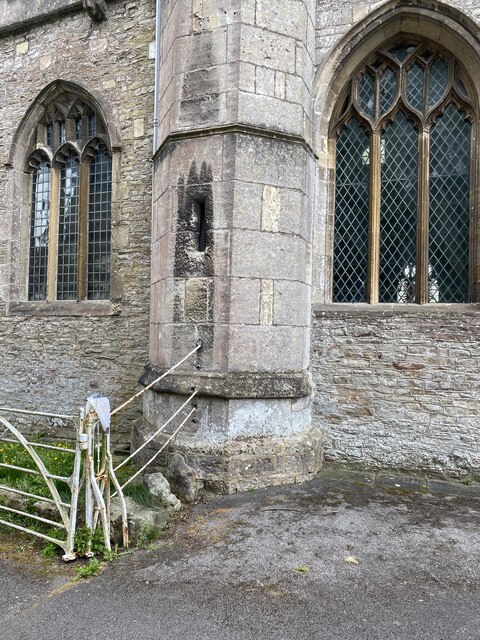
(403, 197)
(70, 213)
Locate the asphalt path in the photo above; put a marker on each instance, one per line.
(330, 559)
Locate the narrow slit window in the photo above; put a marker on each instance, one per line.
(201, 209)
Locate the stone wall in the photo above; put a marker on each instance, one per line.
(53, 360)
(398, 388)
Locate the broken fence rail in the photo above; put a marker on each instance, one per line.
(92, 440)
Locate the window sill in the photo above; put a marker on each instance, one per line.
(349, 309)
(69, 308)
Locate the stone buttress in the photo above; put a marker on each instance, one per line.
(231, 241)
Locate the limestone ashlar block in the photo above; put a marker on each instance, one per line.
(285, 211)
(265, 81)
(267, 348)
(198, 300)
(284, 257)
(288, 17)
(247, 77)
(265, 48)
(261, 418)
(162, 215)
(247, 204)
(223, 193)
(181, 163)
(162, 258)
(204, 51)
(291, 304)
(270, 162)
(245, 301)
(270, 113)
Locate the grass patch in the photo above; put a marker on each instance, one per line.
(140, 494)
(88, 570)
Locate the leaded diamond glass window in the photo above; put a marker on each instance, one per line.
(99, 222)
(403, 191)
(39, 223)
(398, 209)
(70, 217)
(351, 230)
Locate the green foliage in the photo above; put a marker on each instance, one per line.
(142, 496)
(50, 550)
(82, 540)
(57, 463)
(88, 570)
(148, 535)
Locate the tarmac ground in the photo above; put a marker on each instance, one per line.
(340, 557)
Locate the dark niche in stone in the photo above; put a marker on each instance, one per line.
(96, 9)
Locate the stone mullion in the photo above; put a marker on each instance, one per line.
(373, 275)
(421, 278)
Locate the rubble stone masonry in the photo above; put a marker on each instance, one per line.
(51, 360)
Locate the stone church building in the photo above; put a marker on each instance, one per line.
(294, 182)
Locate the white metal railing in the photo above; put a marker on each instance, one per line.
(66, 511)
(93, 449)
(161, 429)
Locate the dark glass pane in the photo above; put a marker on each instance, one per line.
(50, 135)
(92, 125)
(67, 274)
(388, 89)
(78, 128)
(366, 94)
(398, 212)
(99, 223)
(61, 131)
(402, 51)
(415, 83)
(449, 205)
(350, 253)
(437, 82)
(39, 222)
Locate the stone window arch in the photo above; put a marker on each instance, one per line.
(70, 167)
(405, 210)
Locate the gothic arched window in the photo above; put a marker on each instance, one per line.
(403, 197)
(71, 192)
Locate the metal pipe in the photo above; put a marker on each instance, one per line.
(37, 413)
(33, 472)
(41, 445)
(164, 375)
(158, 51)
(165, 444)
(4, 487)
(61, 543)
(31, 515)
(154, 435)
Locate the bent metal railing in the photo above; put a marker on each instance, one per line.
(66, 511)
(93, 449)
